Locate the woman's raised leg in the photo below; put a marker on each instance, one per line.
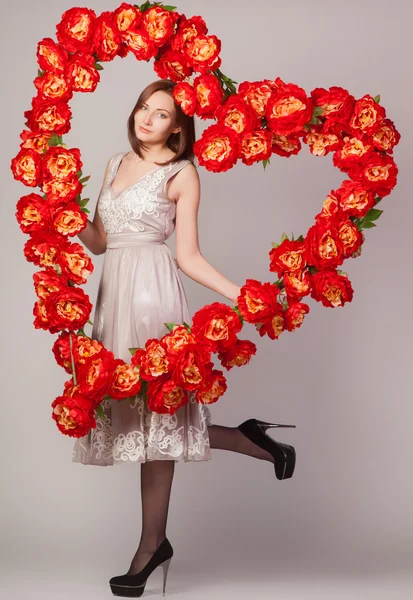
(231, 438)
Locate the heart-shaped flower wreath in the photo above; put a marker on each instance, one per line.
(259, 119)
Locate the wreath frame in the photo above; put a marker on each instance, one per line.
(253, 122)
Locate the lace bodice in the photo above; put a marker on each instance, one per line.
(142, 206)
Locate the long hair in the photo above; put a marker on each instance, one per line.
(182, 143)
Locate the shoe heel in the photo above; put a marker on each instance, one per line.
(165, 566)
(264, 426)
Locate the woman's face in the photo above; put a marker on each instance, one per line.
(157, 118)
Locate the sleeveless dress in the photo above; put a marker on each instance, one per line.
(139, 290)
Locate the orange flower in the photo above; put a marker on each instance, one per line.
(27, 167)
(214, 388)
(166, 397)
(125, 382)
(159, 24)
(154, 362)
(367, 115)
(203, 53)
(288, 256)
(218, 148)
(331, 288)
(69, 220)
(258, 301)
(73, 415)
(255, 146)
(294, 315)
(237, 355)
(75, 30)
(215, 326)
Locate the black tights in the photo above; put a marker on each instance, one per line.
(156, 484)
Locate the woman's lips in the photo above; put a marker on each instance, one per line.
(144, 130)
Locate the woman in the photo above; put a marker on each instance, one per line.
(146, 193)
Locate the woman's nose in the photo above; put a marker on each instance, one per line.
(147, 119)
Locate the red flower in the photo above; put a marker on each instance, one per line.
(256, 94)
(378, 174)
(42, 248)
(68, 309)
(53, 87)
(76, 28)
(288, 256)
(273, 325)
(214, 388)
(367, 115)
(215, 326)
(73, 415)
(95, 375)
(294, 315)
(27, 167)
(188, 30)
(208, 93)
(255, 146)
(190, 366)
(33, 215)
(106, 37)
(336, 104)
(75, 264)
(159, 24)
(172, 65)
(288, 109)
(237, 355)
(81, 72)
(296, 284)
(386, 136)
(61, 163)
(166, 397)
(331, 288)
(355, 150)
(53, 117)
(125, 381)
(218, 149)
(354, 199)
(184, 95)
(285, 145)
(69, 220)
(323, 246)
(51, 56)
(234, 112)
(258, 301)
(203, 53)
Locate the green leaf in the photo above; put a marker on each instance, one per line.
(377, 98)
(85, 210)
(39, 72)
(274, 245)
(306, 127)
(79, 173)
(90, 322)
(314, 121)
(133, 350)
(168, 7)
(373, 214)
(300, 239)
(284, 237)
(170, 326)
(377, 199)
(318, 111)
(98, 66)
(369, 225)
(83, 203)
(100, 412)
(187, 327)
(84, 179)
(279, 283)
(55, 140)
(265, 162)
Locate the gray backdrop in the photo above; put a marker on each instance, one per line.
(342, 527)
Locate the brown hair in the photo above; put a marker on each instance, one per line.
(182, 142)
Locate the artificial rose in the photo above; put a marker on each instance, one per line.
(323, 246)
(48, 282)
(81, 72)
(203, 53)
(53, 87)
(184, 95)
(320, 142)
(216, 326)
(126, 16)
(32, 214)
(190, 366)
(354, 151)
(354, 199)
(294, 315)
(76, 28)
(27, 167)
(159, 23)
(166, 397)
(51, 56)
(59, 192)
(125, 382)
(69, 220)
(257, 301)
(367, 115)
(73, 415)
(386, 136)
(94, 376)
(255, 146)
(288, 256)
(273, 325)
(234, 112)
(61, 163)
(68, 309)
(139, 43)
(178, 337)
(214, 388)
(297, 284)
(256, 94)
(154, 362)
(75, 264)
(285, 145)
(53, 117)
(61, 350)
(378, 174)
(42, 248)
(218, 149)
(335, 104)
(331, 288)
(331, 206)
(36, 141)
(173, 65)
(208, 93)
(288, 109)
(188, 30)
(237, 355)
(106, 37)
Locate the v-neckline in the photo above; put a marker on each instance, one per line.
(118, 194)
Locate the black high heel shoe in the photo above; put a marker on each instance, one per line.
(133, 586)
(283, 454)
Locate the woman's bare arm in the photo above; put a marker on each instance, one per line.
(188, 254)
(94, 236)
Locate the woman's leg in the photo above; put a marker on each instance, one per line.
(231, 438)
(156, 483)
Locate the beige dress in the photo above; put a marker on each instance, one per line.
(140, 289)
